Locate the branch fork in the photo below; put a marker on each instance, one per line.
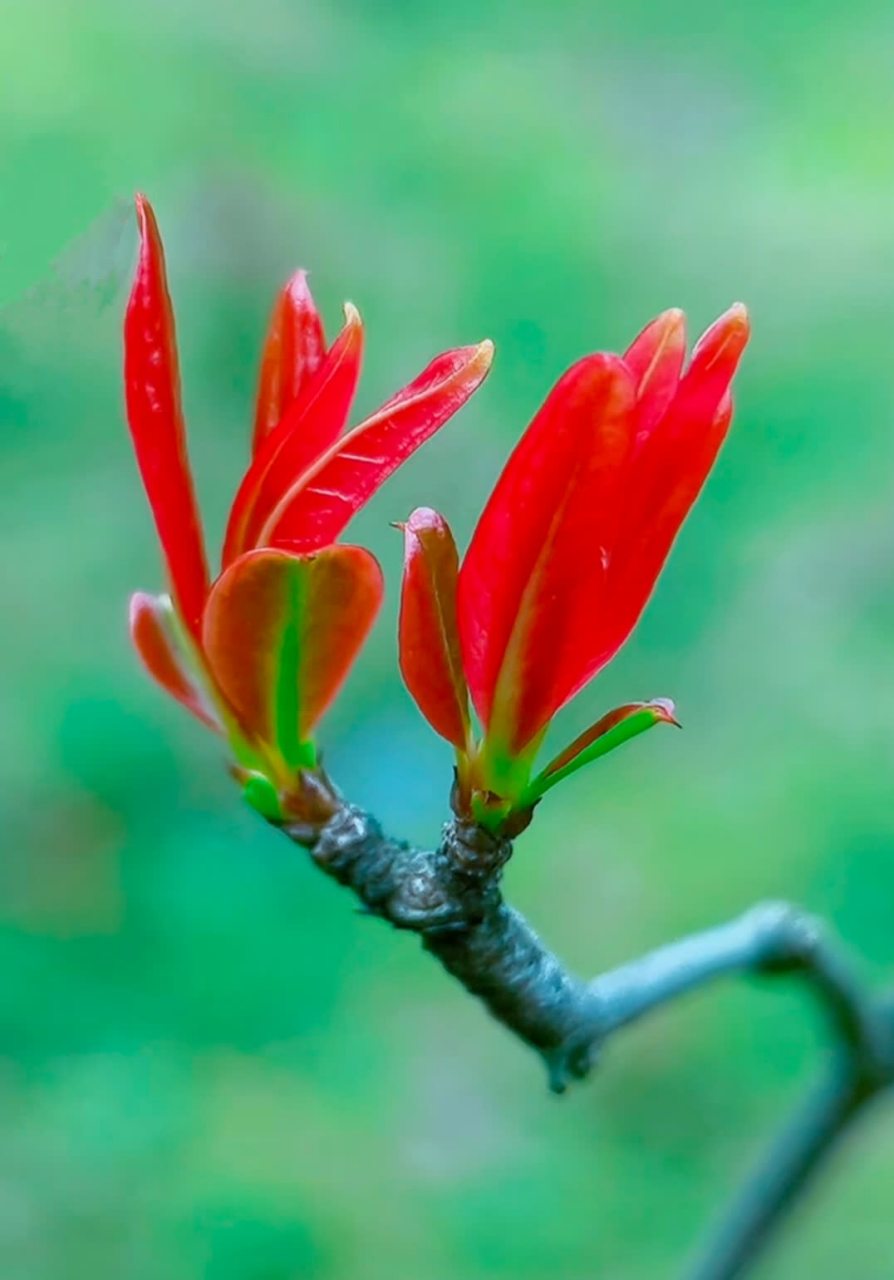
(451, 897)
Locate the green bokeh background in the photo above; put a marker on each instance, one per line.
(211, 1065)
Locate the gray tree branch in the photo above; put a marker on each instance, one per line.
(451, 898)
(787, 1169)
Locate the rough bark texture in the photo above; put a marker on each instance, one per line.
(450, 896)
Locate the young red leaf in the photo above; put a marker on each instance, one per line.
(532, 585)
(153, 633)
(308, 428)
(155, 416)
(715, 358)
(672, 467)
(293, 352)
(315, 508)
(430, 658)
(613, 729)
(438, 375)
(280, 634)
(694, 408)
(655, 359)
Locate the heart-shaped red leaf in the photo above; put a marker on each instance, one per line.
(280, 634)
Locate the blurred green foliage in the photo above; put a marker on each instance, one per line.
(211, 1066)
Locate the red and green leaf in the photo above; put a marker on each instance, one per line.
(314, 508)
(153, 630)
(430, 657)
(293, 351)
(533, 583)
(280, 634)
(155, 416)
(309, 427)
(611, 731)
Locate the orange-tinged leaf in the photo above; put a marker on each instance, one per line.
(293, 351)
(310, 425)
(314, 510)
(155, 417)
(280, 634)
(154, 636)
(430, 658)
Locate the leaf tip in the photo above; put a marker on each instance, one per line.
(734, 324)
(422, 519)
(670, 325)
(665, 712)
(296, 286)
(146, 221)
(352, 316)
(484, 353)
(137, 604)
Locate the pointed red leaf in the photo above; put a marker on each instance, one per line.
(655, 359)
(440, 371)
(155, 416)
(645, 554)
(671, 469)
(293, 352)
(532, 586)
(700, 394)
(430, 658)
(308, 428)
(154, 637)
(315, 508)
(280, 634)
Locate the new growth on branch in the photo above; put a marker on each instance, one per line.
(560, 567)
(562, 562)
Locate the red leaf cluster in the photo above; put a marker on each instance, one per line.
(569, 545)
(261, 651)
